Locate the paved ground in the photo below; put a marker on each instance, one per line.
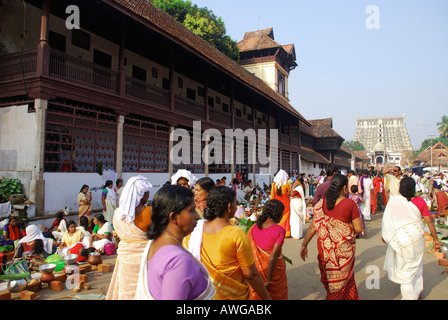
(304, 277)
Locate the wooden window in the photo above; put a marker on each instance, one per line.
(139, 73)
(191, 94)
(81, 39)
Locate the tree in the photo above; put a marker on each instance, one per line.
(202, 22)
(443, 127)
(354, 145)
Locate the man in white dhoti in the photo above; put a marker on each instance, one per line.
(298, 209)
(403, 232)
(367, 185)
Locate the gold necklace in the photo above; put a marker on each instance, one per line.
(170, 236)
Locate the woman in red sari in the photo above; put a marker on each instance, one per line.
(336, 222)
(266, 239)
(280, 191)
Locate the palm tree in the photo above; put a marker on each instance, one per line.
(443, 126)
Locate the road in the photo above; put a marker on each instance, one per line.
(304, 277)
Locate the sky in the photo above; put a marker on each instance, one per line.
(347, 70)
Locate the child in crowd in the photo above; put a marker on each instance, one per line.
(355, 196)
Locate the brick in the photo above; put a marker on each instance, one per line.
(36, 286)
(5, 295)
(84, 278)
(81, 285)
(104, 268)
(56, 285)
(439, 255)
(10, 255)
(27, 295)
(85, 268)
(443, 262)
(60, 277)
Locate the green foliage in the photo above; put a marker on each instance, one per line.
(202, 22)
(353, 145)
(246, 224)
(427, 143)
(9, 187)
(443, 127)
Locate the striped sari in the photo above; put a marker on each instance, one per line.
(336, 247)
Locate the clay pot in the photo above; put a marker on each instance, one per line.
(95, 258)
(47, 277)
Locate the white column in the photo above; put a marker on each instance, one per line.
(37, 183)
(119, 151)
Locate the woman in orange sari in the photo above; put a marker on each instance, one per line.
(280, 191)
(266, 239)
(336, 221)
(225, 250)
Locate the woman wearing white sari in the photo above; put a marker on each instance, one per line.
(298, 209)
(109, 200)
(131, 220)
(367, 186)
(403, 232)
(102, 233)
(168, 271)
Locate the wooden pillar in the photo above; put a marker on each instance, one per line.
(171, 82)
(207, 107)
(119, 151)
(121, 61)
(43, 49)
(232, 123)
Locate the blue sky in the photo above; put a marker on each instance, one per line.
(347, 70)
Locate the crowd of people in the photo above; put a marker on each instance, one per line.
(187, 245)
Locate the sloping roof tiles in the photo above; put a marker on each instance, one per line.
(157, 19)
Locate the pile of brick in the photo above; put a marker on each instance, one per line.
(58, 283)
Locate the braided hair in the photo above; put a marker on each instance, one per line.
(272, 209)
(338, 182)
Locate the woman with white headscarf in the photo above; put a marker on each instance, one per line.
(34, 246)
(280, 190)
(184, 178)
(131, 220)
(298, 209)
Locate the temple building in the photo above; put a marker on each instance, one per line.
(386, 139)
(76, 103)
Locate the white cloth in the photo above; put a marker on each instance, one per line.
(34, 233)
(403, 231)
(298, 214)
(130, 197)
(182, 173)
(99, 244)
(5, 209)
(366, 195)
(142, 292)
(195, 243)
(281, 178)
(62, 227)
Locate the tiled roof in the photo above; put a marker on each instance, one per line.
(323, 128)
(156, 19)
(312, 156)
(439, 155)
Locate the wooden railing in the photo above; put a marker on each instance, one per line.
(18, 65)
(66, 67)
(139, 89)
